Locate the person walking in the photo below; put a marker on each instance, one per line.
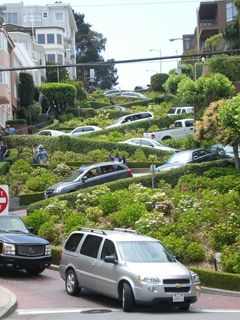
(42, 155)
(10, 130)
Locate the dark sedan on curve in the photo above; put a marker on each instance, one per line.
(182, 158)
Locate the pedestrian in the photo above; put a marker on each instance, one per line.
(34, 154)
(10, 130)
(3, 150)
(42, 155)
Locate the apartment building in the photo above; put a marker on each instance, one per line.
(53, 26)
(8, 79)
(212, 18)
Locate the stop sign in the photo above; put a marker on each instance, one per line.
(4, 199)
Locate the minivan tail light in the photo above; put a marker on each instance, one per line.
(130, 171)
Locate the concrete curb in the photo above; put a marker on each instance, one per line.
(8, 302)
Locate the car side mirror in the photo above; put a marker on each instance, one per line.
(84, 178)
(110, 259)
(30, 229)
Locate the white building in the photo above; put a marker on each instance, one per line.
(53, 27)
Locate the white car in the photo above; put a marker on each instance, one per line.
(134, 117)
(132, 95)
(83, 130)
(149, 143)
(52, 133)
(112, 93)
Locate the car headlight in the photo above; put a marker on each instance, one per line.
(151, 280)
(48, 250)
(8, 248)
(195, 277)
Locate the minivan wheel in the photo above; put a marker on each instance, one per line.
(127, 298)
(71, 283)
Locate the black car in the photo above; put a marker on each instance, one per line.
(90, 175)
(20, 249)
(182, 158)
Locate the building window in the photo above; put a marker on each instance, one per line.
(59, 16)
(10, 17)
(41, 38)
(50, 57)
(231, 11)
(60, 59)
(50, 38)
(3, 43)
(59, 38)
(45, 15)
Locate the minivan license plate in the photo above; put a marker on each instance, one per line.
(178, 297)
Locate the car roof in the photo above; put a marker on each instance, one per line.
(118, 234)
(96, 165)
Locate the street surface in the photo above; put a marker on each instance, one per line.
(44, 297)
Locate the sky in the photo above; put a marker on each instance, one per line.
(137, 29)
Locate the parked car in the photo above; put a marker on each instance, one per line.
(125, 265)
(52, 133)
(90, 175)
(182, 158)
(180, 110)
(83, 130)
(132, 95)
(181, 129)
(222, 150)
(20, 249)
(131, 118)
(149, 143)
(112, 93)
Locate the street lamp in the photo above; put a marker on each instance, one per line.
(160, 61)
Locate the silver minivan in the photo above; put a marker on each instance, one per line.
(125, 265)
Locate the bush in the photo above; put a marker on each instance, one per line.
(230, 258)
(128, 214)
(29, 198)
(4, 167)
(56, 254)
(50, 232)
(195, 252)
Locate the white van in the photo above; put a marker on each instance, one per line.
(131, 118)
(180, 110)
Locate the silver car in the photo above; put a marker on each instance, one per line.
(88, 176)
(125, 265)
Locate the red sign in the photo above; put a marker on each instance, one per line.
(3, 200)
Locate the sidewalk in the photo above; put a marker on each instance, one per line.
(8, 302)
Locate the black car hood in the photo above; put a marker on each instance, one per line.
(21, 238)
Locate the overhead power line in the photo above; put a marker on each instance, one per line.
(110, 62)
(127, 4)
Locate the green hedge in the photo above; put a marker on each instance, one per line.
(12, 155)
(16, 121)
(131, 164)
(170, 177)
(4, 167)
(219, 280)
(56, 254)
(83, 145)
(28, 198)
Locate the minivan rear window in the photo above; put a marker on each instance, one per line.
(73, 242)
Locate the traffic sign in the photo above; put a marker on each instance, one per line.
(4, 199)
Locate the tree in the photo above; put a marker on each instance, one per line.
(32, 112)
(230, 119)
(56, 74)
(221, 122)
(59, 96)
(157, 81)
(171, 85)
(89, 45)
(25, 89)
(204, 90)
(227, 65)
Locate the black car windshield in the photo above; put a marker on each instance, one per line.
(12, 224)
(74, 175)
(144, 251)
(182, 157)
